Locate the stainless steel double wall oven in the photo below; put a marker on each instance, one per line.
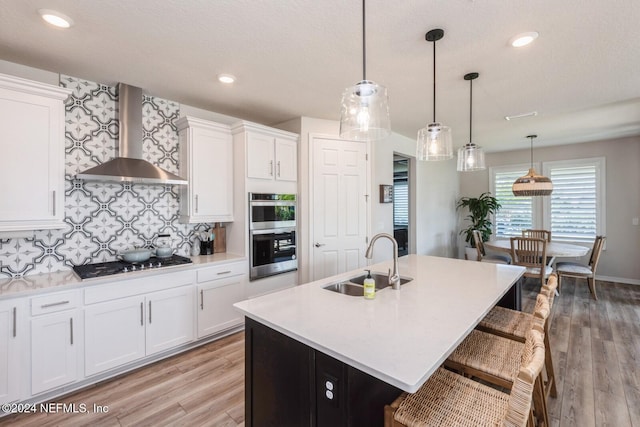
(272, 231)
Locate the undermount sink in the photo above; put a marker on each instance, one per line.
(355, 286)
(381, 279)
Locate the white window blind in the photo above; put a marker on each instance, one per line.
(516, 213)
(400, 202)
(576, 204)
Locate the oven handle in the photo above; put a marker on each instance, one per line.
(274, 231)
(272, 202)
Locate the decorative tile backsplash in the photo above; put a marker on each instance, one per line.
(104, 218)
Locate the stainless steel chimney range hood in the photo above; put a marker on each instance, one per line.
(129, 165)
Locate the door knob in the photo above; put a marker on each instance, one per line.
(317, 245)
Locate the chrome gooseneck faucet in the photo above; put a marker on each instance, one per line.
(394, 277)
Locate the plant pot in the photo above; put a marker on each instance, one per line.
(470, 253)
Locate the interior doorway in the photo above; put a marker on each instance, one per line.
(402, 203)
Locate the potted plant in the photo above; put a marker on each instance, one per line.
(480, 208)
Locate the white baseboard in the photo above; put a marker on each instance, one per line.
(618, 280)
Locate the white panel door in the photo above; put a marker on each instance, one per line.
(260, 152)
(170, 318)
(339, 217)
(10, 340)
(215, 304)
(286, 160)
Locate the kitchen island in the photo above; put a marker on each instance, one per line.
(316, 357)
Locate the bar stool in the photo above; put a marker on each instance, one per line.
(514, 325)
(450, 399)
(496, 359)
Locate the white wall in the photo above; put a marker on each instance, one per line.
(619, 261)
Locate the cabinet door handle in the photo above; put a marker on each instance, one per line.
(278, 168)
(223, 272)
(271, 168)
(201, 299)
(149, 312)
(196, 203)
(141, 314)
(71, 328)
(14, 321)
(54, 202)
(53, 304)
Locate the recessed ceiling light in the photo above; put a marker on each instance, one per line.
(523, 39)
(521, 116)
(226, 78)
(56, 18)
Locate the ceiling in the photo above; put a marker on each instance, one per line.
(294, 58)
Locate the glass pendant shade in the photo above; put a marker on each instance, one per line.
(365, 112)
(434, 143)
(471, 158)
(532, 184)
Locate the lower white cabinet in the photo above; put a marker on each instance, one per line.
(218, 288)
(127, 329)
(56, 339)
(114, 334)
(54, 350)
(11, 339)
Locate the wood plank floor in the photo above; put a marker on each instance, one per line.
(596, 353)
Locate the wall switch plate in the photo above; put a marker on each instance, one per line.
(635, 221)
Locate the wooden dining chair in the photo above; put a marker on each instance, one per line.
(586, 271)
(531, 253)
(482, 254)
(539, 234)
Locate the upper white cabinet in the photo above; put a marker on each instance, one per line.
(271, 154)
(32, 161)
(206, 160)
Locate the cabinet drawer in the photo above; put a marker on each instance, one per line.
(53, 303)
(221, 271)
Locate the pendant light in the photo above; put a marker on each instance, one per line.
(365, 107)
(434, 140)
(532, 184)
(470, 156)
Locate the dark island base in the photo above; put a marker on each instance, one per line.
(288, 383)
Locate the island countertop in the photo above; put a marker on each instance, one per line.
(400, 337)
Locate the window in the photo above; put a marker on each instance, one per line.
(516, 213)
(575, 210)
(576, 206)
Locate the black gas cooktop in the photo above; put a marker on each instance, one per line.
(90, 271)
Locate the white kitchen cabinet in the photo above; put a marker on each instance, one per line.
(12, 336)
(54, 350)
(32, 162)
(169, 319)
(124, 330)
(114, 333)
(271, 154)
(206, 160)
(218, 289)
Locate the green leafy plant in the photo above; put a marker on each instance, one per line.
(480, 208)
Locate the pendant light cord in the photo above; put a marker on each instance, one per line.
(434, 81)
(364, 43)
(531, 141)
(470, 108)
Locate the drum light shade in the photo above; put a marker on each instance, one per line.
(532, 184)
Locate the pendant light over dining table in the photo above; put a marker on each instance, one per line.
(470, 156)
(532, 184)
(434, 140)
(364, 112)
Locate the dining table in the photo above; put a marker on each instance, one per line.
(554, 249)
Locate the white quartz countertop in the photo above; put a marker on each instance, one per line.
(400, 337)
(62, 280)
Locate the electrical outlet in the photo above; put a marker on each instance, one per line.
(330, 389)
